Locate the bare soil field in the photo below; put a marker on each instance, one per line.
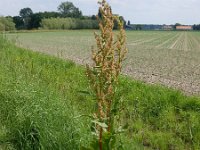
(159, 57)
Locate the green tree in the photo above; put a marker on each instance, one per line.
(19, 23)
(2, 27)
(196, 27)
(35, 21)
(93, 17)
(6, 24)
(177, 24)
(26, 13)
(67, 9)
(49, 14)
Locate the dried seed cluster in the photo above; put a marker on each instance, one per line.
(107, 57)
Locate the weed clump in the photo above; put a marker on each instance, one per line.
(103, 76)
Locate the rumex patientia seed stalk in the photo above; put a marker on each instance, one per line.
(107, 64)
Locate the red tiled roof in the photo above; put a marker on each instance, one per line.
(184, 27)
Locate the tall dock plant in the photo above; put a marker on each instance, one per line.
(103, 75)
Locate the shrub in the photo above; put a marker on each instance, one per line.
(68, 23)
(6, 24)
(2, 27)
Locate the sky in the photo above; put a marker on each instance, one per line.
(137, 11)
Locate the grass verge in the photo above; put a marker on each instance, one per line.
(41, 97)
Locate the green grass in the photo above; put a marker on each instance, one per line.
(37, 100)
(41, 97)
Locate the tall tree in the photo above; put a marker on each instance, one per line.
(67, 9)
(35, 21)
(26, 13)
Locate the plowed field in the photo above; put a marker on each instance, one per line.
(163, 57)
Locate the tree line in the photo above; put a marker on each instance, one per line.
(196, 27)
(66, 12)
(67, 16)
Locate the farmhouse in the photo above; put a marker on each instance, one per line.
(183, 27)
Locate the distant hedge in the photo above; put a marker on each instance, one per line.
(6, 24)
(69, 23)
